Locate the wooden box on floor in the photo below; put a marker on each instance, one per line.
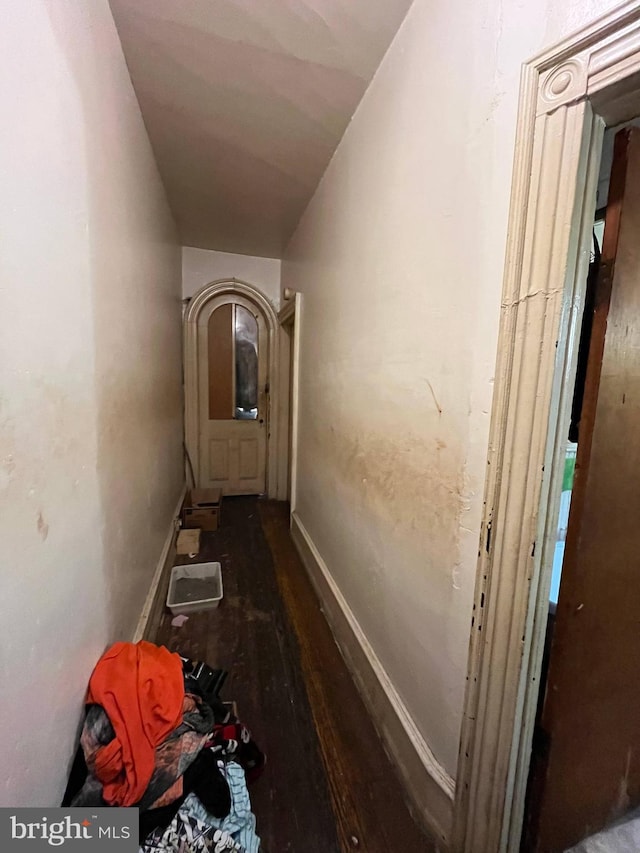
(202, 508)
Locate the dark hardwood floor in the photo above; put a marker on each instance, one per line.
(328, 785)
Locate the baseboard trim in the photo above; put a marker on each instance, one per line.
(150, 600)
(429, 787)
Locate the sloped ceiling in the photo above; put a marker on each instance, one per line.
(245, 102)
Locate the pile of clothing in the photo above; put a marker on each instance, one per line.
(156, 736)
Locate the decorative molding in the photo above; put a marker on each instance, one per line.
(428, 784)
(157, 575)
(618, 25)
(532, 307)
(562, 85)
(617, 57)
(553, 467)
(558, 144)
(604, 53)
(287, 312)
(195, 307)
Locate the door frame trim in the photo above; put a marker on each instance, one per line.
(290, 319)
(567, 95)
(197, 304)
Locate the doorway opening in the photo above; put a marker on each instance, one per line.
(584, 777)
(586, 805)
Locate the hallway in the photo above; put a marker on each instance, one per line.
(380, 198)
(328, 785)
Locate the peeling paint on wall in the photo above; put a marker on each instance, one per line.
(42, 526)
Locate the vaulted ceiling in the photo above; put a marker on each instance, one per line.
(245, 102)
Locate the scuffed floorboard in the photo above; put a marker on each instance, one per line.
(367, 796)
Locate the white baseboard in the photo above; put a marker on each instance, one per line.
(429, 787)
(157, 575)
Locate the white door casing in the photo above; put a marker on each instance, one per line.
(241, 453)
(290, 319)
(567, 95)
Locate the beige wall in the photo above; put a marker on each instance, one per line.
(90, 399)
(399, 257)
(202, 266)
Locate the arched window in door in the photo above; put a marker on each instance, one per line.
(233, 363)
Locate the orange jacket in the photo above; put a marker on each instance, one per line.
(141, 688)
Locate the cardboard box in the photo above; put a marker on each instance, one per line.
(188, 541)
(202, 509)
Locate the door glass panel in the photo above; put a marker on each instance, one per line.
(246, 363)
(221, 363)
(233, 364)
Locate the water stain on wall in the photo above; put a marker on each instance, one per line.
(414, 482)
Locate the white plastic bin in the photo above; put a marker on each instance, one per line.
(194, 587)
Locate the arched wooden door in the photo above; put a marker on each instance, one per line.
(233, 395)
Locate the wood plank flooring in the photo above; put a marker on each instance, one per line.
(328, 786)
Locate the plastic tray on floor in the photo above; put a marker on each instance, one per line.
(195, 587)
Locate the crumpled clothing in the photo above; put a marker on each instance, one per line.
(240, 823)
(177, 753)
(239, 826)
(140, 686)
(233, 741)
(203, 778)
(171, 758)
(188, 834)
